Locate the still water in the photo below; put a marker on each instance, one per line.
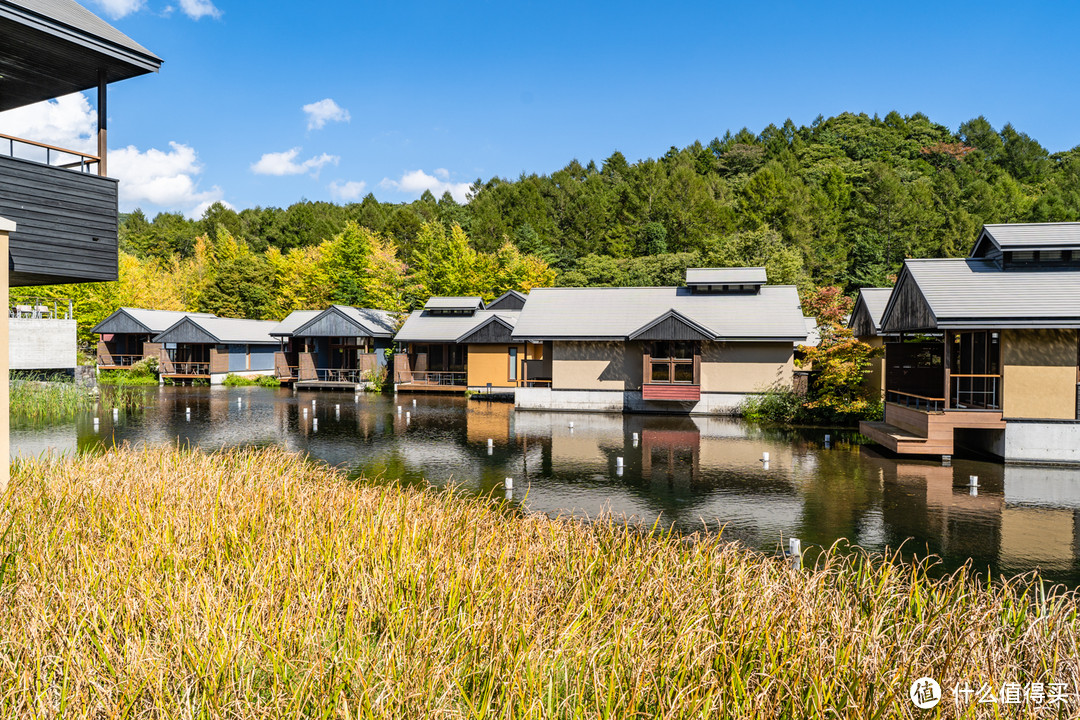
(690, 472)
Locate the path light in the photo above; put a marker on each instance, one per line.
(571, 425)
(115, 414)
(95, 424)
(795, 552)
(314, 424)
(398, 409)
(408, 418)
(337, 412)
(508, 483)
(973, 481)
(414, 402)
(764, 457)
(187, 412)
(635, 437)
(618, 462)
(305, 413)
(491, 443)
(238, 401)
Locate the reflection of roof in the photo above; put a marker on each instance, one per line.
(963, 292)
(726, 276)
(422, 326)
(153, 321)
(220, 330)
(618, 313)
(454, 303)
(875, 300)
(294, 320)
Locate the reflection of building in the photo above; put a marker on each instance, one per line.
(865, 323)
(455, 343)
(335, 348)
(698, 349)
(987, 349)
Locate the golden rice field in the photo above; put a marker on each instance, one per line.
(252, 584)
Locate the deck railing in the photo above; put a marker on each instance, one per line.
(115, 360)
(975, 391)
(41, 308)
(431, 377)
(918, 402)
(49, 154)
(190, 368)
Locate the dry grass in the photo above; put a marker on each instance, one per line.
(250, 584)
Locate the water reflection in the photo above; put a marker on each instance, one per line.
(690, 472)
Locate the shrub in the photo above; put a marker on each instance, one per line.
(376, 379)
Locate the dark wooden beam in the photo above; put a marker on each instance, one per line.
(102, 123)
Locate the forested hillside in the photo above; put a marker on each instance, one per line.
(839, 202)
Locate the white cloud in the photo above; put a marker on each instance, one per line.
(324, 111)
(164, 179)
(196, 9)
(417, 181)
(350, 191)
(119, 8)
(67, 122)
(284, 163)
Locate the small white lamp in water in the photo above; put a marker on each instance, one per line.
(795, 552)
(115, 414)
(508, 483)
(315, 424)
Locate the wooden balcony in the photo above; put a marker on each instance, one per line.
(66, 220)
(911, 431)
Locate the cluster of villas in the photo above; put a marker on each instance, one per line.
(981, 352)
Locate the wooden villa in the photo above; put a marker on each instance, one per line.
(338, 347)
(458, 343)
(865, 324)
(985, 351)
(126, 336)
(200, 348)
(702, 348)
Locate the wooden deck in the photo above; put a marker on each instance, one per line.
(906, 431)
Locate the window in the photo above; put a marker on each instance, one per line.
(672, 361)
(513, 363)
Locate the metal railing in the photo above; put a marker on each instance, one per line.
(189, 368)
(41, 308)
(54, 156)
(918, 402)
(120, 360)
(291, 374)
(424, 377)
(974, 391)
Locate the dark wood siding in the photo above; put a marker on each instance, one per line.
(909, 310)
(185, 331)
(331, 323)
(672, 328)
(121, 322)
(861, 322)
(66, 223)
(493, 331)
(509, 302)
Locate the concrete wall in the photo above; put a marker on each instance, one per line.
(1035, 442)
(1039, 374)
(746, 367)
(622, 401)
(36, 344)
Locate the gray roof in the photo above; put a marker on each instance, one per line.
(876, 300)
(1033, 236)
(726, 276)
(454, 303)
(154, 321)
(965, 293)
(422, 326)
(378, 322)
(229, 330)
(617, 313)
(813, 333)
(294, 320)
(75, 16)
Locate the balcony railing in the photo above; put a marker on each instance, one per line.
(115, 360)
(975, 392)
(190, 368)
(40, 308)
(445, 378)
(918, 402)
(49, 154)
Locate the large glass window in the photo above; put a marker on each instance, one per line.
(671, 361)
(513, 363)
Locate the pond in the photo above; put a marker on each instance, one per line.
(688, 472)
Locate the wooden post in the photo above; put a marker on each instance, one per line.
(948, 371)
(6, 227)
(102, 124)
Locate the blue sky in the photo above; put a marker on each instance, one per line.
(438, 94)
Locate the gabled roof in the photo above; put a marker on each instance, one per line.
(1011, 237)
(292, 321)
(141, 320)
(616, 313)
(224, 331)
(965, 293)
(673, 316)
(454, 303)
(509, 300)
(726, 276)
(341, 320)
(504, 323)
(423, 326)
(56, 47)
(873, 302)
